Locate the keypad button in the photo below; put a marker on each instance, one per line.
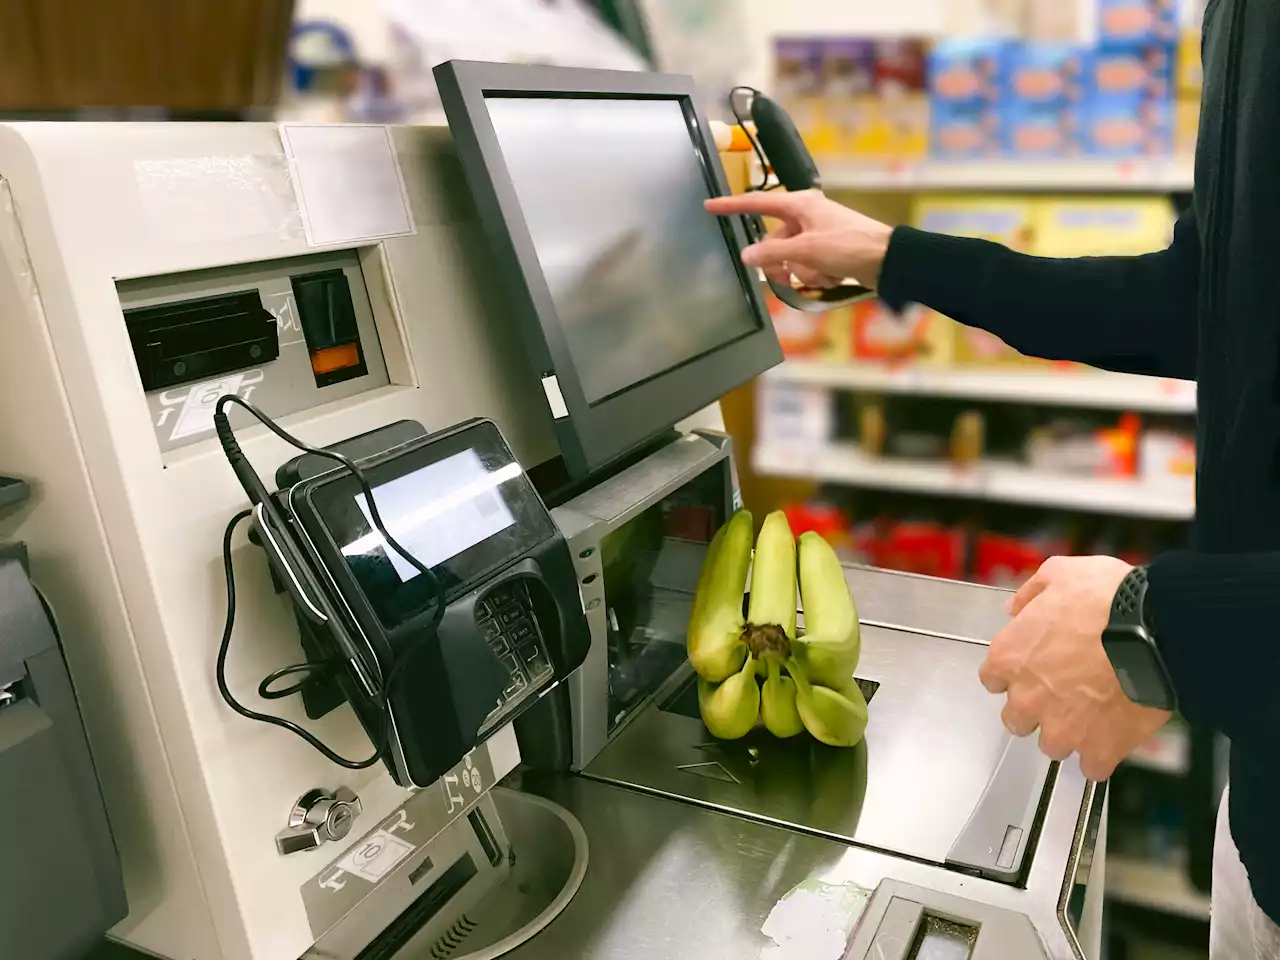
(490, 631)
(500, 646)
(522, 631)
(510, 664)
(510, 616)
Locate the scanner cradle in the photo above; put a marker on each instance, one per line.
(460, 502)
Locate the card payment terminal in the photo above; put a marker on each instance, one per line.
(429, 684)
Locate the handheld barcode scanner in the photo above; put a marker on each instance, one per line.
(781, 149)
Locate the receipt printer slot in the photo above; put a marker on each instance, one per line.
(190, 340)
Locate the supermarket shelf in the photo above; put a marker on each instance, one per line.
(995, 481)
(1163, 175)
(1048, 387)
(1154, 886)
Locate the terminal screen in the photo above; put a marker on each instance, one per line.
(642, 277)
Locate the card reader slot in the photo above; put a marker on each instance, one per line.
(190, 340)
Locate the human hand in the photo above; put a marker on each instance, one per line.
(821, 242)
(1049, 662)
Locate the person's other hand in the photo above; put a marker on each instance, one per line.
(820, 241)
(1050, 664)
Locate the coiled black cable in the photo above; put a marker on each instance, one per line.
(258, 493)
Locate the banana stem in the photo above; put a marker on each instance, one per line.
(802, 682)
(775, 672)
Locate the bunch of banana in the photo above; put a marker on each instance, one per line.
(756, 669)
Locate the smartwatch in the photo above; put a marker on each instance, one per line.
(1131, 647)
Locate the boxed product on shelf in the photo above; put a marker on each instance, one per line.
(965, 92)
(1006, 220)
(1101, 226)
(794, 416)
(1128, 109)
(1009, 560)
(1131, 22)
(812, 336)
(901, 110)
(798, 86)
(1167, 456)
(849, 99)
(1066, 446)
(913, 546)
(1045, 86)
(916, 335)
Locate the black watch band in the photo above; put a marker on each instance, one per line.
(1130, 645)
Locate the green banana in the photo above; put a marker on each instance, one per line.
(771, 614)
(837, 718)
(832, 640)
(730, 710)
(778, 704)
(715, 642)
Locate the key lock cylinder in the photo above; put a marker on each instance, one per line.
(319, 817)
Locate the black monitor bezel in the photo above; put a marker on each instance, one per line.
(593, 435)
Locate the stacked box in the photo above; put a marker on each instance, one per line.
(1090, 227)
(848, 82)
(798, 89)
(1045, 84)
(1005, 220)
(1130, 106)
(901, 89)
(965, 89)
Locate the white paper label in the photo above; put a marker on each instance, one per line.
(376, 856)
(555, 399)
(349, 184)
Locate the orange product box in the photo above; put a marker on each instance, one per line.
(917, 335)
(812, 336)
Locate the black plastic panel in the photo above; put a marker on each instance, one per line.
(192, 340)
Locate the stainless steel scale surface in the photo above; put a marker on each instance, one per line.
(694, 842)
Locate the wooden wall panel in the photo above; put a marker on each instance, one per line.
(180, 55)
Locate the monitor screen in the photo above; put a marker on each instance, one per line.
(642, 277)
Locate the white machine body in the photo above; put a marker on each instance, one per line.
(127, 517)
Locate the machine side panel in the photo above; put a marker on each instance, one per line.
(72, 563)
(160, 518)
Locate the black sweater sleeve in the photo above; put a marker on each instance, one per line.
(1128, 314)
(1215, 617)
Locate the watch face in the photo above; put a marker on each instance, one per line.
(1138, 667)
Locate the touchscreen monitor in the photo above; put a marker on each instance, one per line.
(633, 302)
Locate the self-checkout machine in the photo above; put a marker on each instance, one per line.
(964, 841)
(149, 270)
(354, 285)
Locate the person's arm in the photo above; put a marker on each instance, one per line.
(1133, 314)
(1215, 618)
(1129, 314)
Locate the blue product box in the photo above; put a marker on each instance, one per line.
(1129, 72)
(965, 131)
(1128, 22)
(966, 72)
(1040, 131)
(1127, 128)
(1045, 73)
